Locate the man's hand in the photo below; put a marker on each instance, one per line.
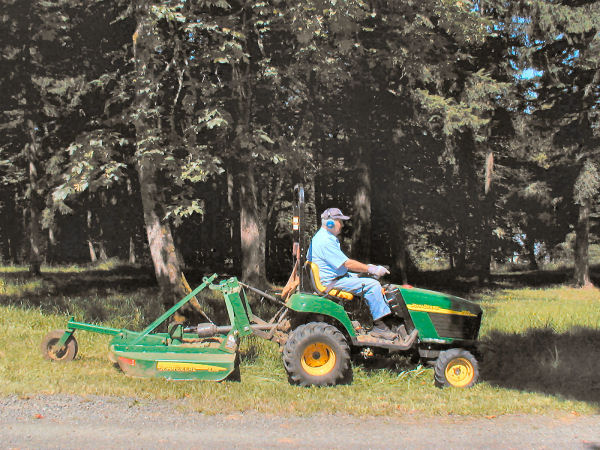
(378, 271)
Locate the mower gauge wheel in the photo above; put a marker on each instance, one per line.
(50, 350)
(457, 368)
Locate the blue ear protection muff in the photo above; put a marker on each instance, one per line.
(330, 223)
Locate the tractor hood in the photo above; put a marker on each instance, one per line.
(442, 316)
(431, 301)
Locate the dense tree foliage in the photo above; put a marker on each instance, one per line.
(174, 132)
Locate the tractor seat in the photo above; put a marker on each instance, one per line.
(312, 271)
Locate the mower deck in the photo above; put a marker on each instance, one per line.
(176, 355)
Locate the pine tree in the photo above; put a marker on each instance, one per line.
(564, 46)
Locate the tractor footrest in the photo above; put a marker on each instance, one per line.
(398, 344)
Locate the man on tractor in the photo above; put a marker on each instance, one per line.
(338, 271)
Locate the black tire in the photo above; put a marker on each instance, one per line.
(456, 367)
(317, 354)
(49, 351)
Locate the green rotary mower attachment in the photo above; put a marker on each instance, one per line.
(205, 352)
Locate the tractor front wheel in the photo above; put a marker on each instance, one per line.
(316, 354)
(52, 352)
(457, 368)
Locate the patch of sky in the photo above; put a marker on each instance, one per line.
(525, 73)
(529, 73)
(521, 239)
(570, 57)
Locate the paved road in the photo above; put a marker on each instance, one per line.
(65, 422)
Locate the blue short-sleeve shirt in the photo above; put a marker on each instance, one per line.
(326, 253)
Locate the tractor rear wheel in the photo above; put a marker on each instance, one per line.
(457, 368)
(316, 354)
(50, 351)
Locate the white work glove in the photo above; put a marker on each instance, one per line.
(378, 271)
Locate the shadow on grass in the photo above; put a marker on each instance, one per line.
(565, 365)
(125, 293)
(121, 279)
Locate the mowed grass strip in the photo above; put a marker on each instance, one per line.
(559, 308)
(538, 346)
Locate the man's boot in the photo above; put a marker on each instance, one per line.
(382, 331)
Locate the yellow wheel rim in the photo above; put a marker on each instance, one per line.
(459, 372)
(318, 359)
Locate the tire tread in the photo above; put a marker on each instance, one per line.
(291, 357)
(448, 355)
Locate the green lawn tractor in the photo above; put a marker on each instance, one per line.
(327, 326)
(318, 329)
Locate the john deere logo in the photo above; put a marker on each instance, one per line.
(169, 366)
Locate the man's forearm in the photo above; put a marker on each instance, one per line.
(356, 266)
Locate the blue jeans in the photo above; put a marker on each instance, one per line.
(371, 290)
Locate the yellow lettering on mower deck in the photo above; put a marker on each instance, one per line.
(170, 366)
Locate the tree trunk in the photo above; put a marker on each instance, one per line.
(95, 235)
(103, 255)
(484, 257)
(51, 246)
(399, 253)
(93, 257)
(361, 216)
(312, 211)
(395, 222)
(167, 266)
(252, 230)
(102, 250)
(487, 209)
(530, 247)
(9, 226)
(460, 261)
(582, 232)
(234, 223)
(35, 202)
(5, 247)
(132, 258)
(90, 241)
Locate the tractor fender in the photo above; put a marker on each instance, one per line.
(311, 303)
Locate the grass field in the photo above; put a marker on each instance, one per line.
(540, 347)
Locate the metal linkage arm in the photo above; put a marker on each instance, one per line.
(174, 308)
